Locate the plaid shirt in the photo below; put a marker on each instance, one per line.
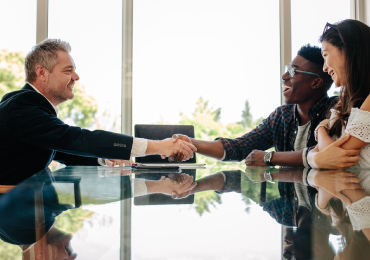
(279, 130)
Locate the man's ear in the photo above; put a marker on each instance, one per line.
(317, 83)
(41, 72)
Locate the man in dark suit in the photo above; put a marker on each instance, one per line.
(31, 135)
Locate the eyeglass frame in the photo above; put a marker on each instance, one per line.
(287, 69)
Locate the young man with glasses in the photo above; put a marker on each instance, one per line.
(290, 128)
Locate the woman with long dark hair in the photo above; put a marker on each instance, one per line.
(346, 52)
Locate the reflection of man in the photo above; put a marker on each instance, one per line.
(31, 135)
(29, 210)
(290, 127)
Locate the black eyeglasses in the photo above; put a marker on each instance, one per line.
(292, 71)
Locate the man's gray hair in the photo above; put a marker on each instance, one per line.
(44, 54)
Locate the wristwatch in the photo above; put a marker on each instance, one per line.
(268, 176)
(267, 158)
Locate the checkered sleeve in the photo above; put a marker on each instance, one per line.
(260, 138)
(232, 182)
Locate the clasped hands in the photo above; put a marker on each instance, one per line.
(176, 183)
(179, 156)
(334, 182)
(335, 157)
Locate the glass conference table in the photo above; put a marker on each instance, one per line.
(102, 213)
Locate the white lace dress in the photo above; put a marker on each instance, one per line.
(359, 211)
(359, 126)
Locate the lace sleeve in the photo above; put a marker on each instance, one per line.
(359, 124)
(359, 213)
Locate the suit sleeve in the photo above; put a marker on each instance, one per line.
(30, 118)
(75, 160)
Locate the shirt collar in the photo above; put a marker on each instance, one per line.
(319, 108)
(315, 111)
(38, 91)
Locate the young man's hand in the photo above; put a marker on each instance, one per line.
(255, 158)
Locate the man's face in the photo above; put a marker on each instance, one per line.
(59, 83)
(298, 90)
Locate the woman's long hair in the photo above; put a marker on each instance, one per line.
(352, 38)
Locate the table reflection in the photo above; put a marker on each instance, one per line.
(31, 211)
(28, 212)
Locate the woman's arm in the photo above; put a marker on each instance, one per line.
(353, 142)
(331, 183)
(367, 233)
(333, 156)
(323, 138)
(355, 195)
(323, 198)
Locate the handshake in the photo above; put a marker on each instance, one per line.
(178, 148)
(183, 149)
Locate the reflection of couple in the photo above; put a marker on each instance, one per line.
(344, 196)
(286, 201)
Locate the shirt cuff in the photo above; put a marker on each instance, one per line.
(309, 175)
(139, 187)
(223, 157)
(304, 158)
(304, 176)
(311, 162)
(223, 175)
(139, 146)
(101, 162)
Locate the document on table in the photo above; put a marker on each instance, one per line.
(156, 165)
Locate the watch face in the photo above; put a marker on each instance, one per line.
(267, 157)
(268, 176)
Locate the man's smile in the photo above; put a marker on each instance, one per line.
(286, 88)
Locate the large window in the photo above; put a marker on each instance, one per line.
(186, 53)
(94, 30)
(307, 28)
(18, 35)
(198, 62)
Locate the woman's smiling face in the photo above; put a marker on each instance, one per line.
(334, 63)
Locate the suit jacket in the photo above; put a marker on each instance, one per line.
(31, 135)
